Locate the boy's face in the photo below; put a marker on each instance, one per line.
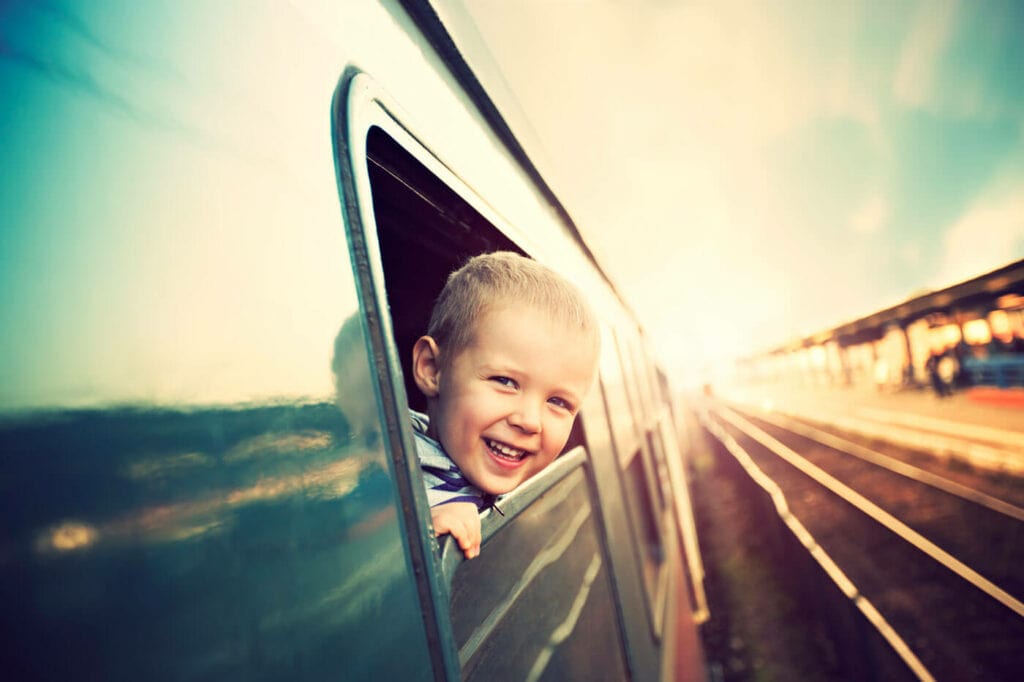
(503, 407)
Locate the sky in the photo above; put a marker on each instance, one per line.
(749, 172)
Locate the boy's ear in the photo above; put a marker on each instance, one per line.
(426, 366)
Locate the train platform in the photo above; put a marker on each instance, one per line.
(983, 427)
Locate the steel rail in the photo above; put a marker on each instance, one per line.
(895, 465)
(818, 553)
(875, 512)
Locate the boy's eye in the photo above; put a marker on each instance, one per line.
(504, 381)
(561, 402)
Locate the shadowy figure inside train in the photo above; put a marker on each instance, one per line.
(510, 353)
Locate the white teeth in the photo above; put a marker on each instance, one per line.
(503, 449)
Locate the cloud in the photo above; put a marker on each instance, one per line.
(930, 35)
(988, 236)
(911, 254)
(871, 216)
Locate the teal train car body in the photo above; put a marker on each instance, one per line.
(222, 226)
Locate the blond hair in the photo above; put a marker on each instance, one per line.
(493, 279)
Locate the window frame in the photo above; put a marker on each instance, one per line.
(632, 450)
(359, 107)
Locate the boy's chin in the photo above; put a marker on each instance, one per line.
(497, 488)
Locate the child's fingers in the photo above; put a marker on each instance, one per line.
(469, 541)
(471, 531)
(463, 523)
(471, 528)
(474, 547)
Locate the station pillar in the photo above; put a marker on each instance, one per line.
(908, 366)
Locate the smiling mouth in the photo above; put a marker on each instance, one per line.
(505, 452)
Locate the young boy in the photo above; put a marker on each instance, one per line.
(509, 355)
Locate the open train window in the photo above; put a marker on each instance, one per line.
(424, 230)
(411, 221)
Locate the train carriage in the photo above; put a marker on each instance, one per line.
(225, 225)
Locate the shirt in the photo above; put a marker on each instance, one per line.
(441, 476)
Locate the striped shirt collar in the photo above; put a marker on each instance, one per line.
(444, 481)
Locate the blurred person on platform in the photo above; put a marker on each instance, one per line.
(940, 365)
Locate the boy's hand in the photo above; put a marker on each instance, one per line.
(462, 520)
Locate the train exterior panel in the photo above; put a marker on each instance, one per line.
(223, 224)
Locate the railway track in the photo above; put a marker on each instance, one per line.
(939, 560)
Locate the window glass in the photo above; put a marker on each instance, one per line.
(613, 382)
(509, 602)
(622, 340)
(641, 372)
(662, 484)
(643, 516)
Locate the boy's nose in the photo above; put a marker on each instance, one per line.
(526, 419)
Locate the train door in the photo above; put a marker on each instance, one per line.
(539, 602)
